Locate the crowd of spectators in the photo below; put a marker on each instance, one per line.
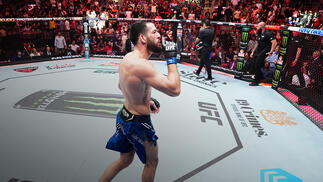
(43, 38)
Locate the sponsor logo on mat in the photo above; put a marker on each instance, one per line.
(200, 79)
(26, 69)
(250, 114)
(277, 117)
(210, 112)
(18, 180)
(79, 103)
(276, 175)
(51, 67)
(110, 64)
(106, 71)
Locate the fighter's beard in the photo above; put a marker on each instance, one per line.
(151, 46)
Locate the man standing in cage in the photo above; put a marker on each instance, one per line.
(265, 46)
(206, 36)
(134, 130)
(294, 63)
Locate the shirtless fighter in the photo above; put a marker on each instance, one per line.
(134, 130)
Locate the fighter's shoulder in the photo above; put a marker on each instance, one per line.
(134, 62)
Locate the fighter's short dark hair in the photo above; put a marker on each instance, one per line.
(206, 22)
(139, 27)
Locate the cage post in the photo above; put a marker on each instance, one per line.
(242, 51)
(86, 39)
(281, 58)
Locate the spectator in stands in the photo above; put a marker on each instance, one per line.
(304, 70)
(60, 44)
(237, 15)
(233, 63)
(315, 70)
(18, 56)
(129, 45)
(34, 52)
(215, 55)
(229, 55)
(191, 16)
(108, 48)
(272, 59)
(228, 14)
(116, 48)
(75, 48)
(154, 9)
(251, 44)
(47, 52)
(100, 47)
(3, 32)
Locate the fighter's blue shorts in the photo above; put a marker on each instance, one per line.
(131, 132)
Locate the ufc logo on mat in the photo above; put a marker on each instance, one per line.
(211, 111)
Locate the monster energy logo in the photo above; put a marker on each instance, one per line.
(239, 66)
(276, 75)
(244, 37)
(80, 103)
(284, 41)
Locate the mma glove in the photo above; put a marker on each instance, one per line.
(170, 51)
(156, 103)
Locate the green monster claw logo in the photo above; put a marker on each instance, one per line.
(91, 101)
(276, 75)
(284, 41)
(239, 66)
(244, 37)
(80, 103)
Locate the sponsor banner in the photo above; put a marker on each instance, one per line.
(40, 19)
(52, 67)
(65, 57)
(307, 30)
(26, 69)
(78, 103)
(268, 175)
(107, 56)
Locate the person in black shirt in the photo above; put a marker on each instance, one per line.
(129, 45)
(206, 36)
(294, 63)
(264, 47)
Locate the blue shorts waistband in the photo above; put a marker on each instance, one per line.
(127, 116)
